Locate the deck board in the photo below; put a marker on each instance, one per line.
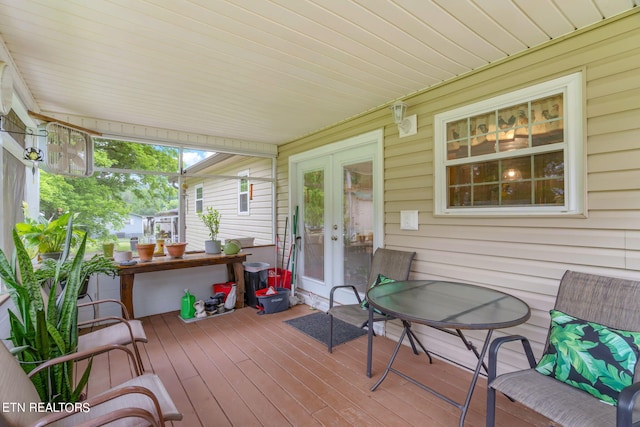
(247, 370)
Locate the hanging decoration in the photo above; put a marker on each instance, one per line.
(35, 155)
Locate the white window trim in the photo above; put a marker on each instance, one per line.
(195, 198)
(574, 183)
(244, 173)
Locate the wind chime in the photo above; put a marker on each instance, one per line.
(35, 155)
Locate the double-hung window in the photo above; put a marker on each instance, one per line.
(199, 198)
(243, 193)
(516, 154)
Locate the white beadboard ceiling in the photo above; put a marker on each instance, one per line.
(264, 71)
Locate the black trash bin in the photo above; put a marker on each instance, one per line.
(256, 276)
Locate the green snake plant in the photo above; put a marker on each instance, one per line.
(43, 328)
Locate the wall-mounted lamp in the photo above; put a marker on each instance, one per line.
(406, 125)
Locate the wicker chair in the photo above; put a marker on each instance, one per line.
(390, 263)
(603, 300)
(141, 401)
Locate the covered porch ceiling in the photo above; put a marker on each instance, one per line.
(225, 73)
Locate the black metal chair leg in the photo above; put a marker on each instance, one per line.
(330, 343)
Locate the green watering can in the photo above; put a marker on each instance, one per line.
(187, 310)
(232, 247)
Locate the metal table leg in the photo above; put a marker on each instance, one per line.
(476, 373)
(370, 342)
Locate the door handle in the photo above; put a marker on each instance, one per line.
(334, 238)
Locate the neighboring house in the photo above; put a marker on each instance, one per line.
(133, 227)
(241, 189)
(524, 255)
(165, 224)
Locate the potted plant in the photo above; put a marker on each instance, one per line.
(108, 244)
(46, 237)
(211, 218)
(41, 330)
(98, 264)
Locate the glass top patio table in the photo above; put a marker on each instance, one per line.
(449, 304)
(449, 307)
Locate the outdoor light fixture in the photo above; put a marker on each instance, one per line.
(406, 125)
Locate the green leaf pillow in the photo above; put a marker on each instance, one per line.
(589, 356)
(380, 280)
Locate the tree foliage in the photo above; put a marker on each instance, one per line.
(107, 198)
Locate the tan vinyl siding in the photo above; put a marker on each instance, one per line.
(222, 194)
(523, 256)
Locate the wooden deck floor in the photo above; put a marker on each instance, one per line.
(242, 369)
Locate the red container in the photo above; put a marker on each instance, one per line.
(279, 278)
(223, 287)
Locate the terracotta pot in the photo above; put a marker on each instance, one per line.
(176, 250)
(145, 251)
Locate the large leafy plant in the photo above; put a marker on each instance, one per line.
(42, 327)
(44, 235)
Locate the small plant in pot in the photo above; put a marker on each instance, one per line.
(211, 219)
(108, 244)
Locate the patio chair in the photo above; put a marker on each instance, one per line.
(388, 262)
(601, 300)
(123, 331)
(141, 401)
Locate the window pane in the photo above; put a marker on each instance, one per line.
(457, 150)
(459, 196)
(459, 175)
(244, 203)
(481, 143)
(550, 192)
(457, 130)
(516, 169)
(516, 193)
(486, 195)
(487, 147)
(198, 192)
(135, 156)
(485, 172)
(314, 224)
(191, 157)
(549, 165)
(548, 123)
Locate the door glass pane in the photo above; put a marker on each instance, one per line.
(314, 224)
(358, 222)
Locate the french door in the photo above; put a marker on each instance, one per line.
(338, 195)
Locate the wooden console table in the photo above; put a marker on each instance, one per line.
(199, 259)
